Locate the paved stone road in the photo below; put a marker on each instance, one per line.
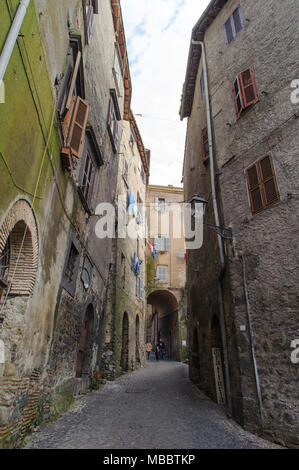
(155, 407)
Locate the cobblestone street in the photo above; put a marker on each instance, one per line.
(154, 407)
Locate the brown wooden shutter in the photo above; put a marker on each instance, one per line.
(239, 105)
(248, 87)
(205, 145)
(95, 6)
(73, 81)
(268, 180)
(78, 126)
(67, 118)
(255, 194)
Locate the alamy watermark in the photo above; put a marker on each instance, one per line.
(179, 220)
(295, 93)
(295, 353)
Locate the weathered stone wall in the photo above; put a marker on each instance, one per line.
(266, 239)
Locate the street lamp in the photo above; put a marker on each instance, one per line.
(224, 232)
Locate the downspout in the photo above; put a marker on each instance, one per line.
(220, 246)
(257, 382)
(12, 37)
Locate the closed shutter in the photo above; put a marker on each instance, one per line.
(248, 86)
(262, 185)
(268, 180)
(254, 189)
(141, 289)
(78, 126)
(156, 203)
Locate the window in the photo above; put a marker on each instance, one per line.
(262, 185)
(160, 204)
(139, 288)
(123, 266)
(72, 107)
(205, 145)
(4, 265)
(162, 243)
(91, 160)
(233, 25)
(90, 7)
(162, 273)
(244, 90)
(86, 274)
(71, 266)
(113, 121)
(118, 71)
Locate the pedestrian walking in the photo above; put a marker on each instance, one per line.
(148, 348)
(161, 349)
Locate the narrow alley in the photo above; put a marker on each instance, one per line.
(155, 407)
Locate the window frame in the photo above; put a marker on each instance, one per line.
(232, 24)
(244, 102)
(260, 185)
(70, 286)
(165, 271)
(113, 119)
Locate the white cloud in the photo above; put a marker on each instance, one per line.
(158, 36)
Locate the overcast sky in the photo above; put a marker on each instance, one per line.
(158, 36)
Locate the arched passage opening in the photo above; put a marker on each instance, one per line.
(163, 322)
(125, 343)
(85, 344)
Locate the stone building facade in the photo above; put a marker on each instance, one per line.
(67, 93)
(244, 302)
(125, 312)
(166, 272)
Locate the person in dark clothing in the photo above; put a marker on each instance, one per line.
(161, 348)
(157, 351)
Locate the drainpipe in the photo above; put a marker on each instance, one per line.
(220, 246)
(257, 382)
(12, 37)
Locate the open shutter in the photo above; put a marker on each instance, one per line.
(255, 194)
(237, 20)
(78, 126)
(67, 119)
(205, 145)
(248, 87)
(73, 81)
(268, 179)
(239, 105)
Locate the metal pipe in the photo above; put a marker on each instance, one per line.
(12, 37)
(220, 246)
(257, 382)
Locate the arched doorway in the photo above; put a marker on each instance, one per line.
(137, 345)
(125, 343)
(163, 322)
(85, 344)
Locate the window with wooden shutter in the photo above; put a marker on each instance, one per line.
(205, 145)
(244, 90)
(233, 25)
(262, 185)
(248, 87)
(78, 126)
(113, 125)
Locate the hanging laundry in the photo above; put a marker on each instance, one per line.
(136, 264)
(131, 203)
(154, 253)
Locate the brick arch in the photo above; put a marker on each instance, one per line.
(20, 224)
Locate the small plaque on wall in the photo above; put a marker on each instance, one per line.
(219, 381)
